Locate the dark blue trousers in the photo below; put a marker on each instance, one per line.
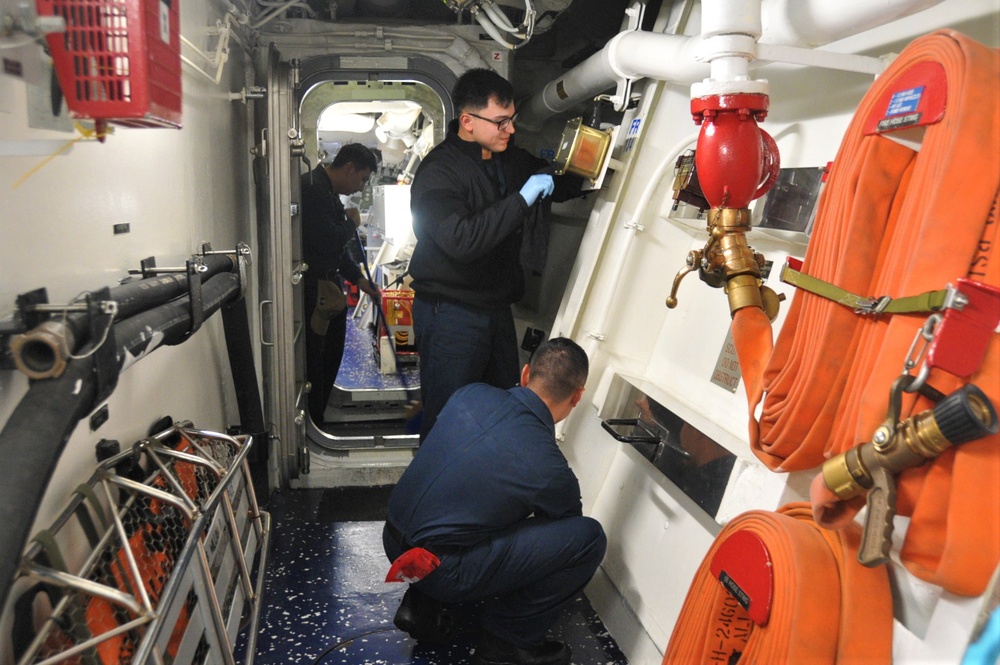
(323, 353)
(459, 345)
(527, 573)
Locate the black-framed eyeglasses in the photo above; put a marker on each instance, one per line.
(501, 124)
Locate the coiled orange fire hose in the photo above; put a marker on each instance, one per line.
(825, 606)
(893, 222)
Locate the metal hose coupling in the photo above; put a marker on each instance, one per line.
(41, 353)
(729, 262)
(965, 415)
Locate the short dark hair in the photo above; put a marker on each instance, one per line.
(356, 154)
(476, 87)
(560, 366)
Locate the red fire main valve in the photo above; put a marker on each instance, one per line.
(736, 160)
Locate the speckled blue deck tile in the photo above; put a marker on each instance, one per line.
(325, 601)
(358, 370)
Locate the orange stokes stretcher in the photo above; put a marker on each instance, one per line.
(897, 222)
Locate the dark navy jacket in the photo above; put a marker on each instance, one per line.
(468, 233)
(326, 230)
(489, 462)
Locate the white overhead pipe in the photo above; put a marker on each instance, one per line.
(628, 55)
(781, 23)
(818, 22)
(729, 33)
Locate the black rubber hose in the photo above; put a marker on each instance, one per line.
(36, 432)
(42, 350)
(140, 295)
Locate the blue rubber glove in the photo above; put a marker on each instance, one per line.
(986, 649)
(540, 184)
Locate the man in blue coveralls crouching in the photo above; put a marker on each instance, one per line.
(491, 500)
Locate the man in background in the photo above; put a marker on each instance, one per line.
(327, 230)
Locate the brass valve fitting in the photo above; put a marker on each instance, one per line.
(40, 353)
(728, 261)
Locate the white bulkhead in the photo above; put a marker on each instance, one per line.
(77, 213)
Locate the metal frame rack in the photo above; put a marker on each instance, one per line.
(168, 533)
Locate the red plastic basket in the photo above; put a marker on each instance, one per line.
(119, 60)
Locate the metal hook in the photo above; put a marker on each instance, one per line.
(916, 353)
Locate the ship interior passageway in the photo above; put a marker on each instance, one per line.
(325, 600)
(365, 401)
(191, 507)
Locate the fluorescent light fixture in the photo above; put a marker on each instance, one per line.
(394, 211)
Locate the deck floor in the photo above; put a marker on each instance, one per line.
(325, 600)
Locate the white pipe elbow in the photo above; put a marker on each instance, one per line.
(730, 17)
(627, 55)
(648, 54)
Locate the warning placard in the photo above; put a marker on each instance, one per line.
(727, 367)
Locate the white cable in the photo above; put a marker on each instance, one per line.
(529, 19)
(68, 352)
(492, 30)
(498, 17)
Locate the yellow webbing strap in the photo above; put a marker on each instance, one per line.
(929, 301)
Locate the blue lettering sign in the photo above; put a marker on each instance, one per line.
(904, 101)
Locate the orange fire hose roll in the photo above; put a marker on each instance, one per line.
(825, 607)
(898, 222)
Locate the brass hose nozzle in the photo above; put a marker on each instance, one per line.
(964, 415)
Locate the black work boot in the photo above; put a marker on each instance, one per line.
(493, 650)
(424, 618)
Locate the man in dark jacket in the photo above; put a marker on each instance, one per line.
(326, 232)
(470, 201)
(491, 495)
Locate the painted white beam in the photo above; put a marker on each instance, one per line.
(679, 59)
